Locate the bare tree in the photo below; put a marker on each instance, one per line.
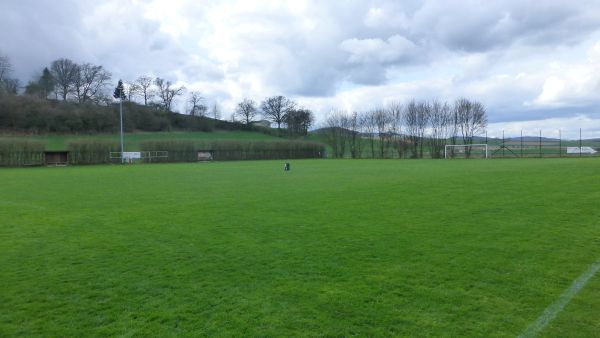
(355, 139)
(145, 87)
(104, 99)
(197, 102)
(368, 124)
(382, 121)
(471, 120)
(89, 81)
(167, 92)
(454, 128)
(330, 134)
(396, 116)
(246, 110)
(5, 68)
(132, 89)
(64, 72)
(215, 111)
(274, 108)
(11, 85)
(416, 118)
(441, 126)
(7, 84)
(410, 123)
(423, 122)
(334, 132)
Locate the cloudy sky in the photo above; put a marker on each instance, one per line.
(534, 64)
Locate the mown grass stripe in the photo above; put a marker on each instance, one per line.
(555, 308)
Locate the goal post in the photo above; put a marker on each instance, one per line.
(467, 150)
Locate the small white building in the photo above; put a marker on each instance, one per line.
(262, 123)
(582, 150)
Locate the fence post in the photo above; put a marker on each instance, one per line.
(521, 143)
(486, 137)
(503, 144)
(540, 143)
(579, 142)
(559, 143)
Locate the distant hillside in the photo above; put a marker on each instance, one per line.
(532, 139)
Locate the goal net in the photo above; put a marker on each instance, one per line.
(466, 151)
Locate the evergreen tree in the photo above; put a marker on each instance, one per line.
(33, 88)
(43, 86)
(46, 82)
(119, 91)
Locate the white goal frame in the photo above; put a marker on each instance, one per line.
(487, 155)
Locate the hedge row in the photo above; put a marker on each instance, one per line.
(224, 150)
(15, 152)
(91, 151)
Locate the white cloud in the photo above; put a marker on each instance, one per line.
(170, 14)
(572, 84)
(394, 49)
(565, 127)
(523, 60)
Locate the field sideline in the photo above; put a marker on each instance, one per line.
(331, 248)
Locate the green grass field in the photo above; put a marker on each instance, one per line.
(132, 140)
(331, 248)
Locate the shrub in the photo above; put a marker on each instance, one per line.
(179, 150)
(14, 152)
(91, 151)
(224, 150)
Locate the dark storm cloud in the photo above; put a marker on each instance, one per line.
(111, 34)
(36, 32)
(493, 24)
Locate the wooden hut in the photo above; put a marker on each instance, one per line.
(56, 157)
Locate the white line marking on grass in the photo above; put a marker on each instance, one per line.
(555, 308)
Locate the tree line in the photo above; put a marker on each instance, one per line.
(89, 84)
(67, 80)
(278, 110)
(400, 130)
(408, 130)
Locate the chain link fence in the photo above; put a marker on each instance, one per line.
(545, 144)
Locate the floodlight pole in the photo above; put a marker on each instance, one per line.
(118, 94)
(121, 116)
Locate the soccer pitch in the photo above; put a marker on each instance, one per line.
(330, 248)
